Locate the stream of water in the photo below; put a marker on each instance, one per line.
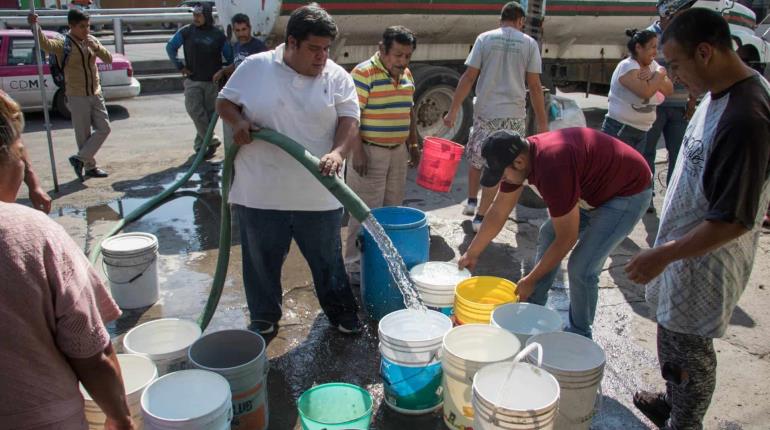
(395, 263)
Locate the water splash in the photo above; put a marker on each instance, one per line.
(396, 264)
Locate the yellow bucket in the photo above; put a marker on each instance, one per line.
(477, 297)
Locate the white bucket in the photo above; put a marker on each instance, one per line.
(526, 319)
(138, 372)
(130, 263)
(436, 282)
(578, 364)
(241, 357)
(465, 350)
(410, 344)
(515, 396)
(190, 400)
(165, 341)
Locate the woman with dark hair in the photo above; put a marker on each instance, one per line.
(638, 85)
(52, 314)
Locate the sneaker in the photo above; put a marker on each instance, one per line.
(78, 166)
(210, 152)
(653, 406)
(350, 326)
(96, 173)
(476, 223)
(262, 327)
(469, 208)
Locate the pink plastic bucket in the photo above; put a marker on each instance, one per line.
(438, 165)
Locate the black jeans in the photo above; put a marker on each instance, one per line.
(265, 239)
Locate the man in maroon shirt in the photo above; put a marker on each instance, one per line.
(596, 189)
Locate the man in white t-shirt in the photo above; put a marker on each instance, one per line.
(503, 60)
(296, 90)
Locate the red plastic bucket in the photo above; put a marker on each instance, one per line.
(438, 165)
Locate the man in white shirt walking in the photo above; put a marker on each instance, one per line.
(503, 60)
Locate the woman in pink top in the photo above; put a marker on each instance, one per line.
(52, 313)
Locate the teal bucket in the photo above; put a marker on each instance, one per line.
(335, 406)
(412, 390)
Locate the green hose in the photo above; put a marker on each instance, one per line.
(157, 200)
(334, 184)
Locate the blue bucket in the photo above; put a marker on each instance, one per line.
(412, 390)
(408, 230)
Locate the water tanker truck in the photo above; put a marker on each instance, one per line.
(582, 40)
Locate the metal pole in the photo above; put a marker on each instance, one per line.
(117, 30)
(41, 80)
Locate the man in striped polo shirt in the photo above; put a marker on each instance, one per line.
(385, 89)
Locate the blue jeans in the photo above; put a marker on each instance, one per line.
(265, 239)
(634, 137)
(671, 123)
(601, 230)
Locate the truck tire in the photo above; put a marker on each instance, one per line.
(434, 88)
(60, 104)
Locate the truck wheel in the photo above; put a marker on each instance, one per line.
(60, 105)
(434, 88)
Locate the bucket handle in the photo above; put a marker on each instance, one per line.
(106, 274)
(434, 357)
(520, 356)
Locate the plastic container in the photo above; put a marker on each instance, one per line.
(335, 406)
(436, 281)
(189, 400)
(465, 350)
(477, 297)
(578, 364)
(526, 319)
(165, 341)
(438, 164)
(130, 263)
(138, 372)
(515, 395)
(410, 344)
(407, 228)
(239, 356)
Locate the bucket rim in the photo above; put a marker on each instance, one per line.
(106, 250)
(435, 316)
(131, 356)
(448, 352)
(262, 356)
(429, 286)
(337, 384)
(423, 219)
(149, 324)
(547, 339)
(439, 140)
(507, 364)
(544, 312)
(179, 374)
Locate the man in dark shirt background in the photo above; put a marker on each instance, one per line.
(596, 188)
(246, 45)
(204, 48)
(711, 216)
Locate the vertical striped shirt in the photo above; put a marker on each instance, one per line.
(385, 103)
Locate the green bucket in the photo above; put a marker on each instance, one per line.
(335, 406)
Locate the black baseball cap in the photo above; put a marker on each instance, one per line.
(498, 151)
